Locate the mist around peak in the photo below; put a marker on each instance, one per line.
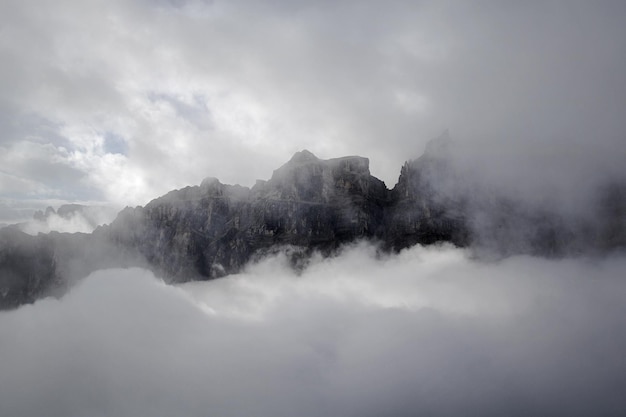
(67, 218)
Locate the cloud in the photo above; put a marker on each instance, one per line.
(232, 90)
(427, 331)
(84, 220)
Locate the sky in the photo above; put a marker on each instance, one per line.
(429, 331)
(117, 102)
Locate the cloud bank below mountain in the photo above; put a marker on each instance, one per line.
(427, 331)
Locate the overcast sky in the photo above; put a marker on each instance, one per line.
(121, 101)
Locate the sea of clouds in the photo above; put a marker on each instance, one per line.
(429, 331)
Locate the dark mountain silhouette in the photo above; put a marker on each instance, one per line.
(308, 205)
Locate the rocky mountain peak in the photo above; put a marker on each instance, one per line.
(307, 178)
(211, 186)
(426, 176)
(439, 147)
(303, 156)
(209, 181)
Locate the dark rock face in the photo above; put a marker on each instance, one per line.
(424, 210)
(27, 267)
(308, 204)
(214, 229)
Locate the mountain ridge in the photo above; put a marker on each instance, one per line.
(309, 205)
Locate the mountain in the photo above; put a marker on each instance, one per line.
(308, 205)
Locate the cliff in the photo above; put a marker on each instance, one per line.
(308, 205)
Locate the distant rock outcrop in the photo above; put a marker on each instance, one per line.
(66, 211)
(27, 267)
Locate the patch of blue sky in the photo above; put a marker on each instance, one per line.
(32, 127)
(115, 144)
(197, 113)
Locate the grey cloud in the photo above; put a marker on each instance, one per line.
(195, 111)
(47, 169)
(425, 332)
(543, 86)
(533, 91)
(114, 144)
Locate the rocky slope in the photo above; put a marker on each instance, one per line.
(308, 204)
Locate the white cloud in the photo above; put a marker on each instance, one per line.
(427, 331)
(196, 89)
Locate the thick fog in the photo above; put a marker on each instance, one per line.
(429, 331)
